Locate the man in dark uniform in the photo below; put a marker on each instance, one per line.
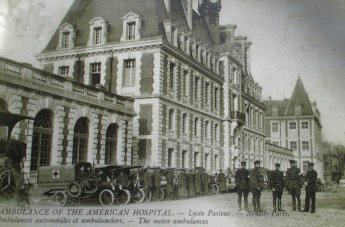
(197, 182)
(277, 186)
(256, 186)
(170, 184)
(156, 184)
(182, 188)
(242, 185)
(123, 179)
(293, 184)
(205, 181)
(148, 179)
(221, 181)
(190, 180)
(310, 188)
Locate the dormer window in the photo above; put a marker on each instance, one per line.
(67, 33)
(131, 27)
(298, 110)
(98, 31)
(274, 111)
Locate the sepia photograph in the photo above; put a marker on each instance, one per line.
(172, 113)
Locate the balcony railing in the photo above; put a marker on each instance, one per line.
(30, 76)
(239, 116)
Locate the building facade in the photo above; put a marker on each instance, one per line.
(295, 124)
(277, 154)
(72, 122)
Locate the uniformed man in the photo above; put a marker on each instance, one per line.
(242, 185)
(191, 189)
(310, 188)
(148, 180)
(277, 186)
(197, 182)
(181, 185)
(122, 179)
(205, 180)
(256, 186)
(157, 184)
(293, 184)
(170, 184)
(221, 181)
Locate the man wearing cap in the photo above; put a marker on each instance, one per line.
(221, 181)
(157, 184)
(197, 182)
(310, 188)
(293, 184)
(256, 186)
(242, 185)
(148, 179)
(277, 186)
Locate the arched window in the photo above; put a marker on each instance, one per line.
(111, 144)
(171, 119)
(80, 140)
(41, 140)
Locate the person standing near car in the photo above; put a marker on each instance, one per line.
(191, 189)
(256, 186)
(242, 185)
(310, 188)
(221, 182)
(148, 180)
(123, 179)
(181, 185)
(156, 184)
(293, 184)
(170, 184)
(277, 186)
(197, 182)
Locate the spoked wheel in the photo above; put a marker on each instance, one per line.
(148, 194)
(216, 188)
(8, 184)
(106, 197)
(160, 194)
(74, 189)
(139, 196)
(60, 197)
(124, 196)
(211, 189)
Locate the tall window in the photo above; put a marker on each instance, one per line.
(196, 127)
(305, 125)
(196, 87)
(293, 145)
(206, 129)
(184, 123)
(298, 110)
(196, 157)
(185, 78)
(216, 132)
(172, 75)
(65, 40)
(129, 73)
(206, 161)
(131, 31)
(305, 166)
(274, 127)
(207, 87)
(216, 94)
(41, 140)
(80, 140)
(215, 161)
(170, 157)
(274, 110)
(97, 38)
(63, 70)
(95, 73)
(292, 125)
(111, 144)
(171, 119)
(305, 145)
(184, 159)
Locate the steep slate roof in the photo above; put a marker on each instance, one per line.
(152, 11)
(286, 107)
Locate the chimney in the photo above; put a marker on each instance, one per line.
(227, 32)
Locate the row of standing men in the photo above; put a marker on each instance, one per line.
(293, 182)
(191, 184)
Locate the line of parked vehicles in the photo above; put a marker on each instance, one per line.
(74, 183)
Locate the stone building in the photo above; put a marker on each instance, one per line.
(72, 122)
(277, 154)
(295, 124)
(195, 100)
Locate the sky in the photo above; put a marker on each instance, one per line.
(290, 38)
